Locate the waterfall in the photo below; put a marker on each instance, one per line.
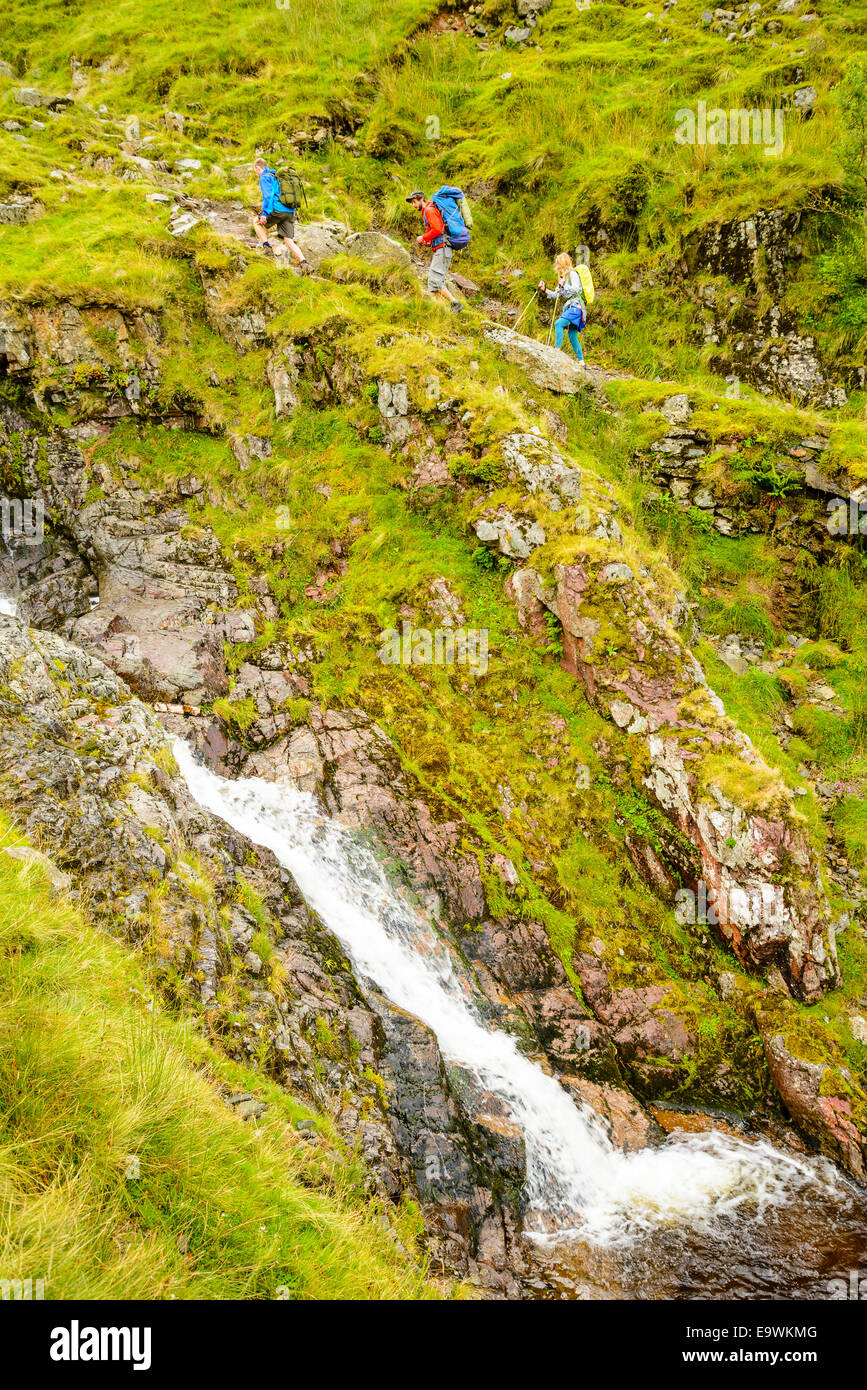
(578, 1182)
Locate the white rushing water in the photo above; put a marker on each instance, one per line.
(578, 1181)
(7, 606)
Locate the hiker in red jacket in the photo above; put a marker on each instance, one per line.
(434, 237)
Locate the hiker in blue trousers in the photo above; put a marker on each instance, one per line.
(572, 296)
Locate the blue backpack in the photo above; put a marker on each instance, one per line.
(454, 207)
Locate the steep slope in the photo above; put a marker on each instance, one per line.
(137, 1163)
(250, 480)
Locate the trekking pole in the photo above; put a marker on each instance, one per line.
(550, 327)
(522, 313)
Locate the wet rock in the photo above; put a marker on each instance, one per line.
(643, 1027)
(518, 956)
(812, 1094)
(87, 768)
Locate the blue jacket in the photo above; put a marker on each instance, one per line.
(270, 186)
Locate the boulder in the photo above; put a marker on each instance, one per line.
(29, 96)
(546, 367)
(804, 99)
(676, 409)
(377, 250)
(321, 240)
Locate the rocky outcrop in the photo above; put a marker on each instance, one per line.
(764, 246)
(649, 1036)
(56, 347)
(86, 770)
(165, 600)
(828, 1106)
(754, 855)
(537, 464)
(514, 537)
(765, 348)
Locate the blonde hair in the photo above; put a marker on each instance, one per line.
(564, 262)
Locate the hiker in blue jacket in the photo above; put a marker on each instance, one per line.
(569, 294)
(275, 215)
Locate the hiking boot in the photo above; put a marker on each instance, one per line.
(305, 267)
(456, 308)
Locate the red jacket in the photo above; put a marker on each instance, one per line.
(433, 221)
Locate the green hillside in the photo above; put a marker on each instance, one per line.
(729, 277)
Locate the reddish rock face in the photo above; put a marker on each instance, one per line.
(828, 1118)
(756, 868)
(641, 1027)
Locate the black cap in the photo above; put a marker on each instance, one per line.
(411, 197)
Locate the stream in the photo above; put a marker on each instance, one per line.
(701, 1215)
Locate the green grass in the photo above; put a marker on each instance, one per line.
(123, 1174)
